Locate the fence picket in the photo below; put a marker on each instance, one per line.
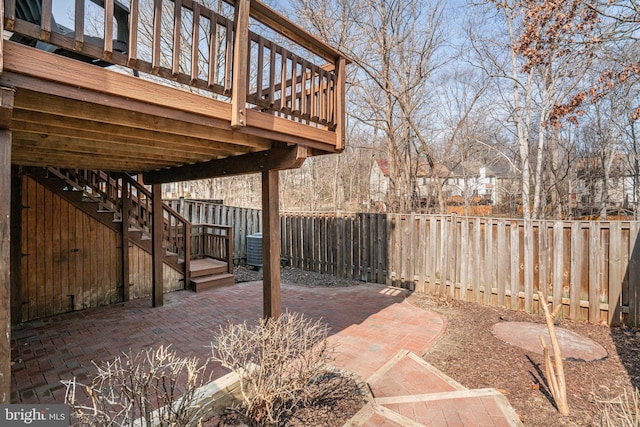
(594, 272)
(574, 286)
(433, 253)
(634, 274)
(528, 266)
(464, 258)
(488, 261)
(615, 273)
(515, 265)
(477, 245)
(501, 258)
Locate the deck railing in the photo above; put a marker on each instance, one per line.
(213, 241)
(191, 44)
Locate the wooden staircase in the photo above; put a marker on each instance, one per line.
(100, 198)
(209, 273)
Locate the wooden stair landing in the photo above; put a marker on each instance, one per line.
(209, 273)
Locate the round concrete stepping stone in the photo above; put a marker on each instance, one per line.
(525, 335)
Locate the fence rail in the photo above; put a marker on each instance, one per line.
(592, 268)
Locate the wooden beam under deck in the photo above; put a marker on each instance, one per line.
(275, 159)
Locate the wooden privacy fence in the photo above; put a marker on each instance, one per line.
(352, 245)
(591, 268)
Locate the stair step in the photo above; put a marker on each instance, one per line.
(206, 266)
(203, 283)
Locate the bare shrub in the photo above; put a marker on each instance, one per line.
(621, 411)
(282, 365)
(153, 387)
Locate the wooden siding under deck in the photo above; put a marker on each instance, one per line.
(71, 261)
(140, 265)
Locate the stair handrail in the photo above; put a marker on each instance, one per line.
(107, 189)
(176, 227)
(80, 179)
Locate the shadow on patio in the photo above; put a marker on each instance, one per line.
(61, 347)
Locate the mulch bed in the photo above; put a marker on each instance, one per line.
(469, 353)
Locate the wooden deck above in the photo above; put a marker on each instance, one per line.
(184, 113)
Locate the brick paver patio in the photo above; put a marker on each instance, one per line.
(369, 325)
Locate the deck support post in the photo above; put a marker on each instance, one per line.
(125, 238)
(157, 254)
(16, 245)
(6, 111)
(270, 244)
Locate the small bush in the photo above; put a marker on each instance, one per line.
(282, 365)
(156, 387)
(621, 411)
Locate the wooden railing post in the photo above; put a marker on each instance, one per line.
(339, 97)
(187, 254)
(230, 250)
(240, 63)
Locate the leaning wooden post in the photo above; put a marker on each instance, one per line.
(240, 64)
(554, 371)
(6, 111)
(270, 244)
(157, 252)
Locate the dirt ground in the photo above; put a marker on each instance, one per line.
(469, 353)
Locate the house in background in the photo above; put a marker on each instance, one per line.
(474, 183)
(423, 183)
(482, 184)
(379, 183)
(622, 184)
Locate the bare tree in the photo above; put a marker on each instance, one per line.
(395, 58)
